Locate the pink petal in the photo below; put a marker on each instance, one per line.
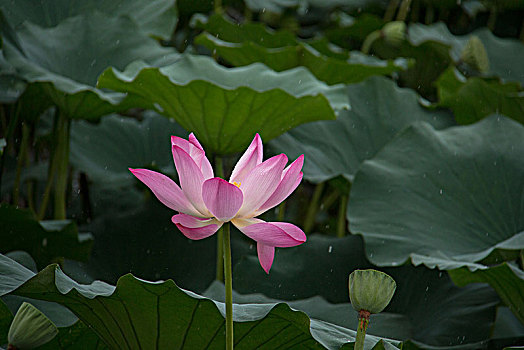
(196, 152)
(192, 138)
(222, 198)
(195, 228)
(266, 254)
(291, 178)
(166, 190)
(249, 160)
(260, 184)
(275, 234)
(191, 179)
(206, 167)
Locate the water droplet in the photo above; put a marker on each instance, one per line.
(158, 107)
(330, 249)
(441, 191)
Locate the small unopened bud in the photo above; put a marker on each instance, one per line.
(394, 32)
(30, 328)
(474, 54)
(370, 290)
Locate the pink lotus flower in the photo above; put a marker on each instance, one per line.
(205, 202)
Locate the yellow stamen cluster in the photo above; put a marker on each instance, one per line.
(237, 184)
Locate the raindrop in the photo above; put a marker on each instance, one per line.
(158, 107)
(441, 191)
(427, 288)
(300, 81)
(44, 242)
(330, 249)
(117, 42)
(93, 62)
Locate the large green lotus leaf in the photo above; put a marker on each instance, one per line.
(72, 334)
(277, 6)
(11, 85)
(506, 279)
(350, 32)
(422, 308)
(229, 41)
(106, 151)
(505, 55)
(76, 337)
(224, 29)
(156, 17)
(225, 107)
(475, 98)
(44, 240)
(139, 314)
(331, 70)
(57, 313)
(443, 198)
(65, 61)
(385, 324)
(379, 110)
(431, 59)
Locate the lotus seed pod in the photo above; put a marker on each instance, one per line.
(30, 328)
(370, 290)
(394, 32)
(475, 55)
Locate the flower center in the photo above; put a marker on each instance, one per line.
(237, 184)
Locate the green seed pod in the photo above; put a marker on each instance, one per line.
(394, 32)
(30, 328)
(370, 290)
(475, 55)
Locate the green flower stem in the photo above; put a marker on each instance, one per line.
(313, 208)
(219, 171)
(281, 211)
(62, 157)
(341, 222)
(22, 155)
(47, 190)
(390, 11)
(430, 15)
(329, 200)
(492, 19)
(229, 287)
(363, 322)
(370, 39)
(403, 11)
(218, 6)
